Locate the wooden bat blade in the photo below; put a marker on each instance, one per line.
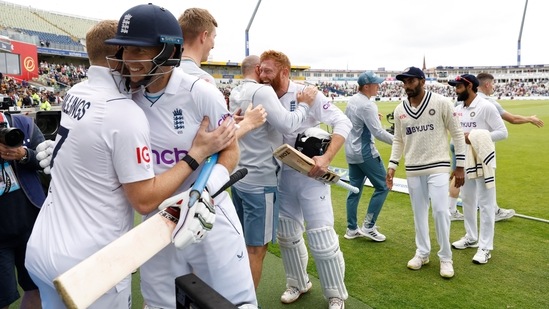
(303, 164)
(83, 284)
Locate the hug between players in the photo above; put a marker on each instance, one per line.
(138, 130)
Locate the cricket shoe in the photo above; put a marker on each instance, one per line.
(373, 234)
(336, 303)
(352, 234)
(417, 261)
(464, 243)
(456, 216)
(446, 269)
(292, 293)
(504, 214)
(482, 256)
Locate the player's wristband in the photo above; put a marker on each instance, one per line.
(191, 161)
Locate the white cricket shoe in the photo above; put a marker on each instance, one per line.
(352, 234)
(446, 269)
(417, 261)
(504, 214)
(292, 293)
(336, 303)
(373, 233)
(482, 256)
(456, 216)
(464, 243)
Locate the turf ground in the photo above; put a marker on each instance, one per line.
(517, 276)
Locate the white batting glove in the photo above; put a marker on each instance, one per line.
(44, 151)
(195, 222)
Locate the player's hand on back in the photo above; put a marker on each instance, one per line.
(253, 118)
(308, 95)
(206, 143)
(44, 152)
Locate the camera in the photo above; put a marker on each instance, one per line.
(391, 120)
(11, 137)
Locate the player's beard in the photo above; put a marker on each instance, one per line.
(413, 92)
(276, 82)
(462, 97)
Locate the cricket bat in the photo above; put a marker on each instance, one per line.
(84, 283)
(303, 164)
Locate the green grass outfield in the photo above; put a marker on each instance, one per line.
(517, 276)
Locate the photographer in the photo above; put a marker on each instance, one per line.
(21, 196)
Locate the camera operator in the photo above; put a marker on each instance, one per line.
(21, 196)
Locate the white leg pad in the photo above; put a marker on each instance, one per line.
(294, 253)
(330, 264)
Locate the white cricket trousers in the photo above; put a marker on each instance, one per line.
(421, 189)
(474, 192)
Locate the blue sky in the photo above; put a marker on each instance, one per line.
(361, 35)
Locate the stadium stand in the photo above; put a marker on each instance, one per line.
(66, 32)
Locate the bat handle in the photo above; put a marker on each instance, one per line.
(202, 179)
(347, 186)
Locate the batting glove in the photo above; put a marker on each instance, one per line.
(194, 222)
(44, 151)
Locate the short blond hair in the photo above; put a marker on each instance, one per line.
(95, 41)
(195, 21)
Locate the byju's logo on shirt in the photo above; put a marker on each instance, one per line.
(178, 120)
(421, 128)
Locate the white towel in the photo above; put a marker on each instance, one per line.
(479, 160)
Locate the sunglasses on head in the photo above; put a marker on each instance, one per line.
(461, 78)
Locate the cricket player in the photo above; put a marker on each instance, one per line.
(199, 32)
(422, 124)
(255, 197)
(305, 203)
(476, 113)
(174, 103)
(101, 171)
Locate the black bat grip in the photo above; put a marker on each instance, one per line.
(236, 176)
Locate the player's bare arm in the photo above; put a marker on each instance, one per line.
(308, 95)
(323, 162)
(389, 178)
(229, 156)
(519, 119)
(146, 195)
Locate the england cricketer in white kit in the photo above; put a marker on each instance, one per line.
(422, 124)
(255, 197)
(305, 203)
(175, 103)
(199, 32)
(100, 168)
(476, 113)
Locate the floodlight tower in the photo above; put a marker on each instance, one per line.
(247, 37)
(520, 33)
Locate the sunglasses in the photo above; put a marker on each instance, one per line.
(461, 78)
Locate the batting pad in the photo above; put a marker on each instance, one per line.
(294, 253)
(330, 265)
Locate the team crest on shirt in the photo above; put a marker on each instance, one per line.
(431, 112)
(472, 114)
(178, 120)
(292, 106)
